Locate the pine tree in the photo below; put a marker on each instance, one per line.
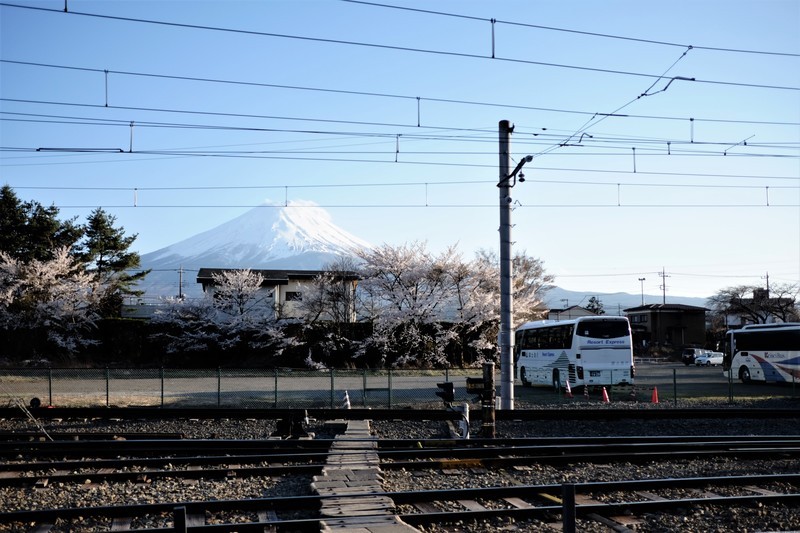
(595, 306)
(104, 249)
(30, 231)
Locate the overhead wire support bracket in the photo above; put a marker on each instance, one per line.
(505, 181)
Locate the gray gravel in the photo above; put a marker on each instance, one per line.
(699, 519)
(754, 518)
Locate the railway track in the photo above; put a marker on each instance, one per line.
(616, 504)
(79, 462)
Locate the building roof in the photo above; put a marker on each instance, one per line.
(665, 307)
(273, 277)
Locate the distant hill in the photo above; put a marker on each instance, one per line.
(613, 303)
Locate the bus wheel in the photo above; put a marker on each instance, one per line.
(523, 377)
(556, 381)
(744, 374)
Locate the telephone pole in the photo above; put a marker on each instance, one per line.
(506, 335)
(663, 275)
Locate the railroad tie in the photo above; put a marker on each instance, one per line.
(351, 474)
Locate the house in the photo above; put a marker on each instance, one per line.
(667, 325)
(283, 290)
(760, 309)
(573, 311)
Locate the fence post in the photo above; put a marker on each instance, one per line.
(730, 384)
(161, 375)
(675, 387)
(389, 392)
(364, 387)
(108, 378)
(50, 384)
(219, 386)
(275, 395)
(333, 401)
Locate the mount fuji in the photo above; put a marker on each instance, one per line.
(298, 236)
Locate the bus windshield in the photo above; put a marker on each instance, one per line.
(603, 329)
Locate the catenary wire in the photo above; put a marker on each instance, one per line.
(396, 96)
(393, 47)
(578, 32)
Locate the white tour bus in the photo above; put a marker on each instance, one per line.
(591, 351)
(763, 352)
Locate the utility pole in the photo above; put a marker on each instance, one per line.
(506, 335)
(663, 275)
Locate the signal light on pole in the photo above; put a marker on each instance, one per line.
(447, 392)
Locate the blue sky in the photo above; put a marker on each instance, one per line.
(648, 154)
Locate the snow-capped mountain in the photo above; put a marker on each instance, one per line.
(299, 236)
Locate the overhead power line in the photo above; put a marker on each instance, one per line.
(578, 32)
(346, 42)
(387, 95)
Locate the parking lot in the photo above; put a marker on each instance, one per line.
(677, 381)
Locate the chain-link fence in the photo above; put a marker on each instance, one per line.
(338, 388)
(257, 388)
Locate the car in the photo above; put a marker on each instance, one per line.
(708, 359)
(690, 354)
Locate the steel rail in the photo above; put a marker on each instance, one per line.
(33, 466)
(10, 436)
(633, 448)
(553, 491)
(148, 475)
(177, 447)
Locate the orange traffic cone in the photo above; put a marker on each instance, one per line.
(569, 390)
(605, 396)
(654, 398)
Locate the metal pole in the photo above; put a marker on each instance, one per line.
(162, 386)
(219, 387)
(333, 384)
(50, 385)
(675, 387)
(568, 508)
(108, 377)
(505, 337)
(390, 389)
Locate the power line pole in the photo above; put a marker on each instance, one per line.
(506, 336)
(663, 275)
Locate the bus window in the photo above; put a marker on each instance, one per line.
(603, 329)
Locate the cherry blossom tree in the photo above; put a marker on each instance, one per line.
(236, 319)
(51, 301)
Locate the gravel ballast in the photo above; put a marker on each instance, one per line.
(694, 518)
